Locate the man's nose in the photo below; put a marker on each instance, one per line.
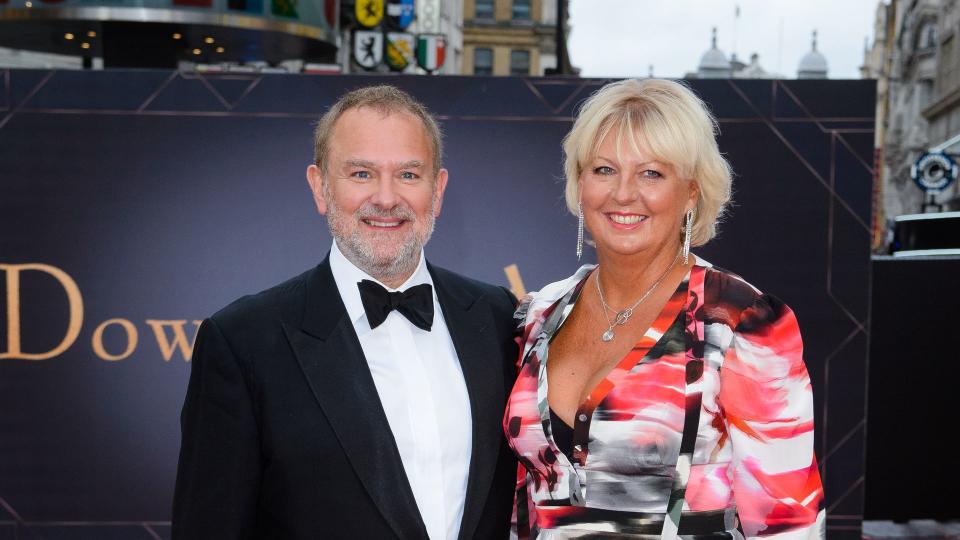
(386, 194)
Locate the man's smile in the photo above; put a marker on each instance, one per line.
(384, 223)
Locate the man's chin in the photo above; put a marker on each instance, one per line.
(389, 255)
(383, 260)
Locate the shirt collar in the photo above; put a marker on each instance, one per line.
(347, 275)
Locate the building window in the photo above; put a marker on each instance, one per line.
(521, 10)
(482, 61)
(949, 76)
(926, 92)
(928, 36)
(520, 63)
(483, 9)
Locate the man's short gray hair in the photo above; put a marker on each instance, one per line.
(386, 99)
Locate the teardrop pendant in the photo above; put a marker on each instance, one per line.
(608, 335)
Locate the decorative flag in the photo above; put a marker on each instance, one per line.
(399, 13)
(367, 48)
(369, 13)
(400, 47)
(431, 51)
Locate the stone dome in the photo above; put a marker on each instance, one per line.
(813, 61)
(813, 65)
(715, 59)
(713, 63)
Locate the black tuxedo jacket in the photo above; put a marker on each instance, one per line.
(284, 436)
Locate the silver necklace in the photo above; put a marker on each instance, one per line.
(623, 316)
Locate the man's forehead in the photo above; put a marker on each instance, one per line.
(359, 119)
(354, 127)
(370, 113)
(355, 123)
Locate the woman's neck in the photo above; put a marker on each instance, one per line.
(624, 278)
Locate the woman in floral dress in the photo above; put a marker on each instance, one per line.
(658, 396)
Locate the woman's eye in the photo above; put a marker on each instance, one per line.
(603, 170)
(650, 173)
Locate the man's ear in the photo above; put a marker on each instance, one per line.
(315, 180)
(440, 187)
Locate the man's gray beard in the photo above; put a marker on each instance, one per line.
(363, 255)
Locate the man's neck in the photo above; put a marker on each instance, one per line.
(393, 276)
(395, 280)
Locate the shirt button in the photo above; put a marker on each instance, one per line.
(583, 418)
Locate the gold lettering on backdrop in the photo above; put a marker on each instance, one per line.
(516, 283)
(179, 337)
(74, 299)
(132, 338)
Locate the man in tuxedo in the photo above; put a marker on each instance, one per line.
(362, 399)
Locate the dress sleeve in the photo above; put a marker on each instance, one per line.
(523, 306)
(524, 516)
(768, 408)
(524, 513)
(523, 335)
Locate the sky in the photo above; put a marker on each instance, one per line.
(622, 38)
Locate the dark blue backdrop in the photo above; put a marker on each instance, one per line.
(165, 195)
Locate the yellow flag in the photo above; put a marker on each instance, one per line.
(369, 12)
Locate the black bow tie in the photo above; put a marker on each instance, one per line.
(415, 303)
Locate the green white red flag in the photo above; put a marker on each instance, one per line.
(431, 51)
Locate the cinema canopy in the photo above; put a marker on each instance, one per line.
(161, 33)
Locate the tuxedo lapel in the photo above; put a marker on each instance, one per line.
(470, 322)
(327, 348)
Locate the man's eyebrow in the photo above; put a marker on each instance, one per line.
(411, 164)
(360, 163)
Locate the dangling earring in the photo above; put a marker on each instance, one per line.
(686, 236)
(579, 230)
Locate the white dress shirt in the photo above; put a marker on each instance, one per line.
(421, 387)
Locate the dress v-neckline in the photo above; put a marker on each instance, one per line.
(584, 413)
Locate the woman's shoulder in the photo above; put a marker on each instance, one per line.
(727, 296)
(536, 301)
(554, 291)
(723, 285)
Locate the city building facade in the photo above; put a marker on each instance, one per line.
(482, 37)
(915, 58)
(509, 37)
(164, 33)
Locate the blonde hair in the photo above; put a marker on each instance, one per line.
(385, 99)
(671, 123)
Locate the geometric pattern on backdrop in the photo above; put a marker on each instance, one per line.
(802, 152)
